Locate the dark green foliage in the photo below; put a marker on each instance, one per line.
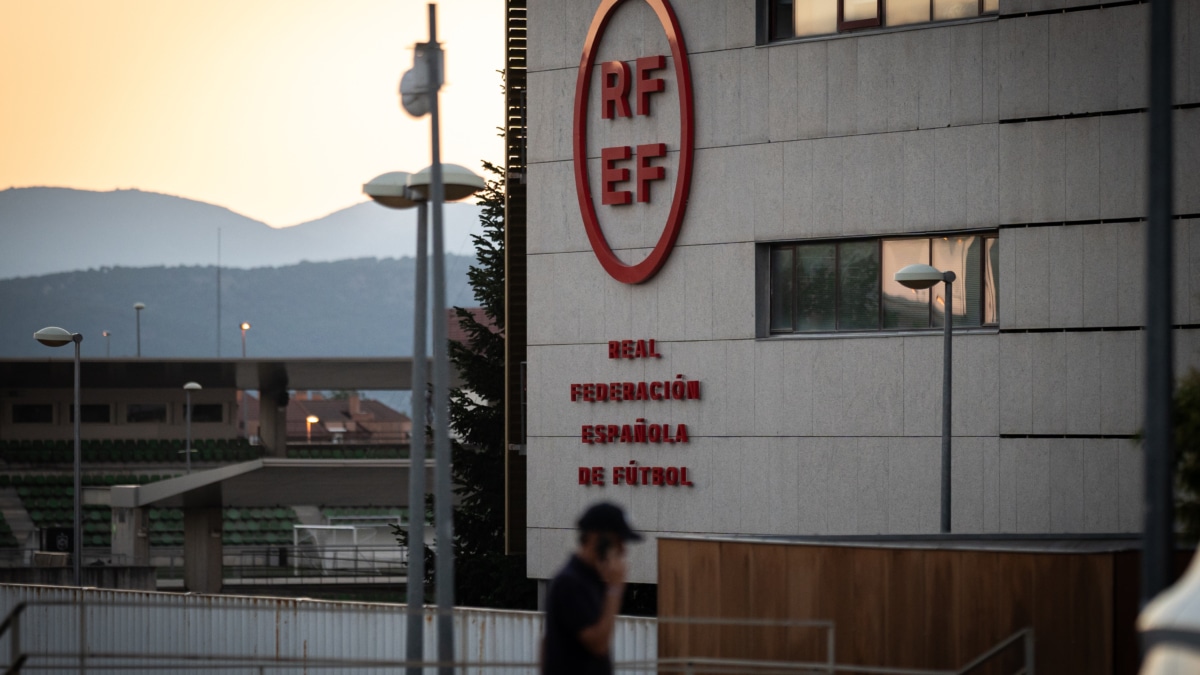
(1187, 455)
(485, 576)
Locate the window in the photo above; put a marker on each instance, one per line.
(33, 413)
(803, 18)
(207, 412)
(850, 285)
(137, 413)
(92, 413)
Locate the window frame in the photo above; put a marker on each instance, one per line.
(766, 282)
(766, 20)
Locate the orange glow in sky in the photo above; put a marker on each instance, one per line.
(277, 110)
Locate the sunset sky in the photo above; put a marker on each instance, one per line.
(276, 110)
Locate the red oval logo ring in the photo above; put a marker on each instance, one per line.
(634, 274)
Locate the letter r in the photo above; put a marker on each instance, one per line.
(614, 89)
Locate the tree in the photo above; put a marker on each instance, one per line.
(1187, 455)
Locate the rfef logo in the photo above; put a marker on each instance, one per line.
(628, 172)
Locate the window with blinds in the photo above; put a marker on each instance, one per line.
(849, 285)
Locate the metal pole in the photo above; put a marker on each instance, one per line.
(245, 431)
(78, 533)
(947, 398)
(188, 451)
(415, 624)
(441, 372)
(1158, 534)
(138, 313)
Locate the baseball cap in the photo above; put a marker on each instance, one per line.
(607, 517)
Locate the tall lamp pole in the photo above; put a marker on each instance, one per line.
(138, 307)
(399, 190)
(308, 422)
(245, 327)
(53, 336)
(920, 277)
(187, 392)
(107, 351)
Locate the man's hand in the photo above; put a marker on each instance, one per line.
(613, 570)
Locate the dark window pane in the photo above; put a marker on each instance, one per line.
(991, 281)
(207, 412)
(93, 413)
(904, 307)
(959, 254)
(816, 283)
(146, 412)
(782, 289)
(781, 19)
(858, 285)
(33, 413)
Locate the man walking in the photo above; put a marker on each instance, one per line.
(585, 595)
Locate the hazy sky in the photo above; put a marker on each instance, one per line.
(276, 110)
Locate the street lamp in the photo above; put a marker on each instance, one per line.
(419, 96)
(399, 190)
(920, 277)
(308, 422)
(245, 327)
(187, 391)
(107, 351)
(53, 336)
(138, 307)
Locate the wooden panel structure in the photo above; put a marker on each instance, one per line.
(933, 607)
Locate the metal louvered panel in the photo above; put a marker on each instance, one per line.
(515, 318)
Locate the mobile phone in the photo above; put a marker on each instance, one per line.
(603, 546)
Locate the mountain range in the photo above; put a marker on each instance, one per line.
(49, 230)
(358, 307)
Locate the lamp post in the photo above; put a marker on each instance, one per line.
(53, 336)
(187, 392)
(138, 307)
(107, 352)
(399, 190)
(919, 277)
(308, 422)
(245, 327)
(419, 96)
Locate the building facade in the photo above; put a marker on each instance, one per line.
(760, 198)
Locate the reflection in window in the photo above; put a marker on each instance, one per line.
(944, 10)
(816, 291)
(782, 279)
(904, 307)
(902, 12)
(859, 10)
(991, 281)
(850, 286)
(858, 285)
(136, 413)
(959, 254)
(814, 17)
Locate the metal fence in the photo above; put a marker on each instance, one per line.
(97, 630)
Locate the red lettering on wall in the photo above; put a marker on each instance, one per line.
(597, 475)
(647, 173)
(610, 175)
(645, 84)
(585, 476)
(614, 89)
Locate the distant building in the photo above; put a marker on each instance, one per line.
(352, 419)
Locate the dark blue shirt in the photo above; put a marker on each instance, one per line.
(575, 601)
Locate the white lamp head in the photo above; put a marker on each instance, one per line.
(245, 325)
(390, 189)
(458, 182)
(53, 336)
(312, 419)
(920, 276)
(192, 386)
(139, 305)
